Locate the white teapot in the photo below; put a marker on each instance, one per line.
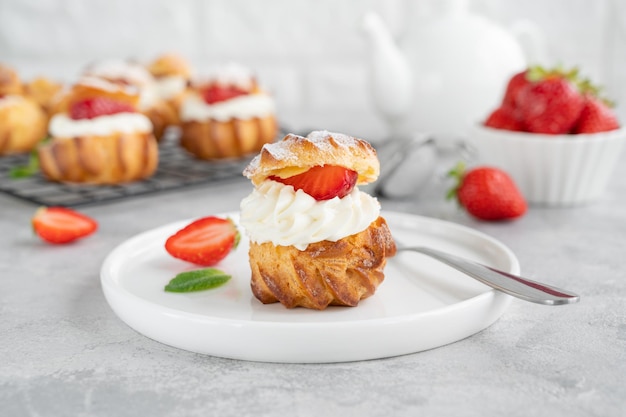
(447, 73)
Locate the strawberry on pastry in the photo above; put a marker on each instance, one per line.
(323, 182)
(92, 107)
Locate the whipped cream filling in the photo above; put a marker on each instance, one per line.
(170, 86)
(249, 106)
(63, 126)
(276, 213)
(10, 100)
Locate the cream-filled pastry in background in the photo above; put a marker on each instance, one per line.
(160, 112)
(99, 136)
(227, 115)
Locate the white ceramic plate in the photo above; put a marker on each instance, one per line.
(422, 304)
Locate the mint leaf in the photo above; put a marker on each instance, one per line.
(25, 171)
(198, 280)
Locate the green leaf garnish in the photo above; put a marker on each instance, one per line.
(28, 170)
(198, 280)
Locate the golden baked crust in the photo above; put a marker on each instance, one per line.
(295, 154)
(10, 83)
(170, 64)
(326, 273)
(112, 159)
(23, 123)
(162, 115)
(43, 91)
(235, 138)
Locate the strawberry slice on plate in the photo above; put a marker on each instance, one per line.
(62, 225)
(323, 182)
(98, 106)
(205, 241)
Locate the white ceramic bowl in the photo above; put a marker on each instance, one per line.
(552, 170)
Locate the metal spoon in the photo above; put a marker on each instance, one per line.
(516, 286)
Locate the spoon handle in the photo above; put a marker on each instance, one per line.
(516, 286)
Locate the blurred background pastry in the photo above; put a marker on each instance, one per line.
(227, 115)
(22, 120)
(159, 111)
(172, 74)
(99, 136)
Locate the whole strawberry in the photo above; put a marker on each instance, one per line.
(551, 103)
(514, 87)
(504, 118)
(487, 193)
(596, 116)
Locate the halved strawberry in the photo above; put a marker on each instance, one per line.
(323, 182)
(205, 241)
(216, 93)
(98, 106)
(62, 225)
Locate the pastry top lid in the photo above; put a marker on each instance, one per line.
(230, 74)
(170, 64)
(296, 154)
(10, 83)
(120, 70)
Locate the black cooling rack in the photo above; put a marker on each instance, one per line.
(177, 169)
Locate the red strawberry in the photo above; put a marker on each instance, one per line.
(513, 89)
(551, 103)
(596, 116)
(62, 225)
(488, 193)
(216, 93)
(323, 182)
(205, 241)
(504, 118)
(98, 106)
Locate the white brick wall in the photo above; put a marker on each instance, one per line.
(310, 54)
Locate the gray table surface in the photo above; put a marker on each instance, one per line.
(63, 352)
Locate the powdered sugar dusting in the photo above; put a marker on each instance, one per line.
(283, 150)
(229, 74)
(106, 85)
(121, 70)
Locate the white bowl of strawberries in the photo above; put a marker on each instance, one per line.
(554, 135)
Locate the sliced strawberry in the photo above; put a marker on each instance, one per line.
(504, 118)
(216, 93)
(596, 116)
(323, 182)
(205, 241)
(98, 106)
(62, 225)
